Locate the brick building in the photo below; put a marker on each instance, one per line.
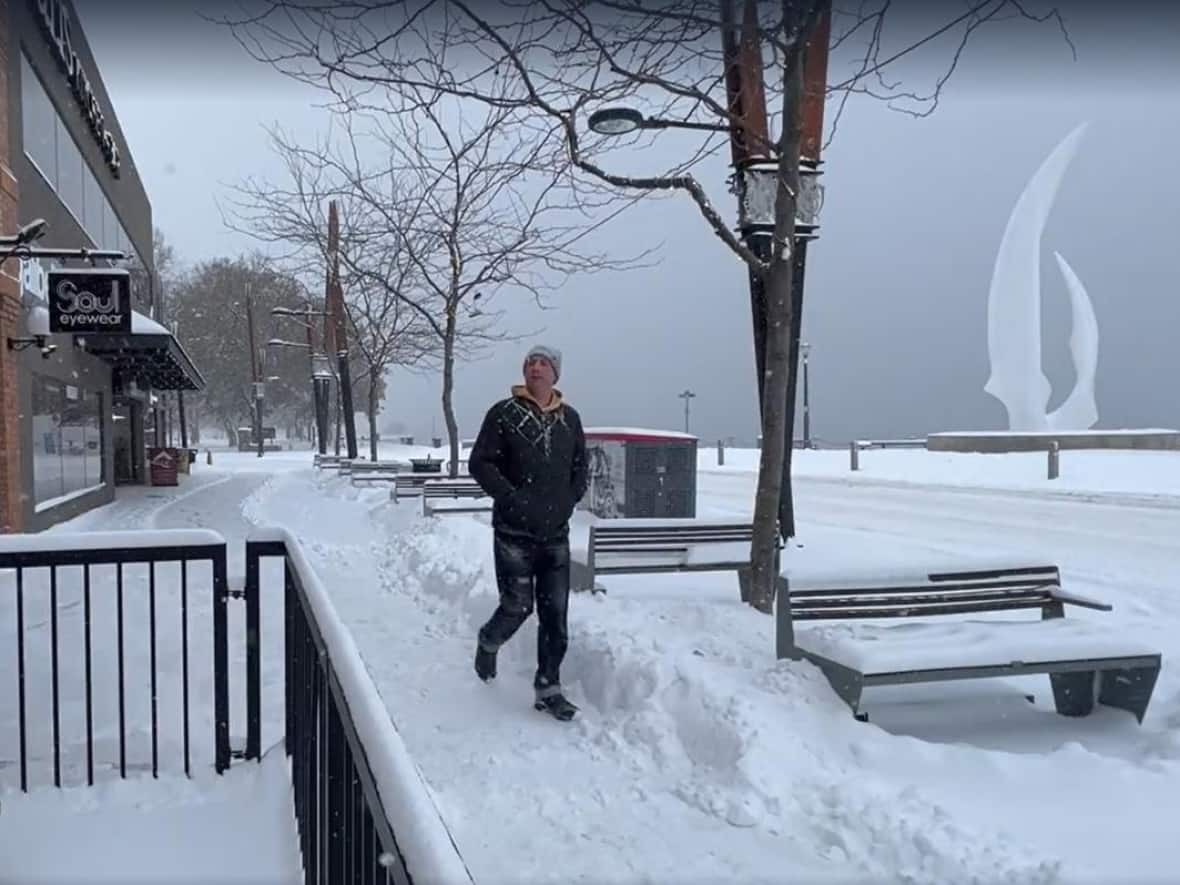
(76, 410)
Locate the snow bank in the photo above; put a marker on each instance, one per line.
(430, 853)
(676, 746)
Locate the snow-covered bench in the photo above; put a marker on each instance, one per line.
(1086, 660)
(328, 462)
(357, 466)
(410, 485)
(441, 496)
(638, 546)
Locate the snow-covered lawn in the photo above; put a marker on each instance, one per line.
(1139, 477)
(698, 757)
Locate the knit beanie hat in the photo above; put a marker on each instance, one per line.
(550, 354)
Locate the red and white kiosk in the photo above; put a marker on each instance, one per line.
(638, 472)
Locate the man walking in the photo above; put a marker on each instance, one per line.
(530, 457)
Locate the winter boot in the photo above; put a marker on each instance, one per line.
(550, 700)
(485, 663)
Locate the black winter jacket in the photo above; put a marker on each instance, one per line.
(532, 462)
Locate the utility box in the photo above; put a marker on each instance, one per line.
(641, 473)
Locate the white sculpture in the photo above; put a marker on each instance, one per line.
(1014, 313)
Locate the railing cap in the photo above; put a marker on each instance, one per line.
(49, 542)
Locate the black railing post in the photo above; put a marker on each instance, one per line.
(253, 655)
(220, 663)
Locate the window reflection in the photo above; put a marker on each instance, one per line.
(67, 439)
(51, 147)
(39, 121)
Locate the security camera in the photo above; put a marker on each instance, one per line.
(47, 350)
(34, 230)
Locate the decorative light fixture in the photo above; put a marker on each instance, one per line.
(810, 201)
(757, 189)
(616, 121)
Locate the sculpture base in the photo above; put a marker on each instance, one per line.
(1008, 441)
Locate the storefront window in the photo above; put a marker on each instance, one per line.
(48, 143)
(39, 120)
(70, 182)
(67, 439)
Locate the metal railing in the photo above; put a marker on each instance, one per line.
(84, 575)
(346, 831)
(857, 445)
(354, 827)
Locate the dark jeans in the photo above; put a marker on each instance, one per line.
(526, 571)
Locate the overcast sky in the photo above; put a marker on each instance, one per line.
(896, 285)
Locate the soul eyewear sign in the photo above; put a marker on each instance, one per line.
(89, 301)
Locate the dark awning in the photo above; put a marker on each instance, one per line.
(150, 355)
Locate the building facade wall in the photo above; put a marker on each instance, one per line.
(83, 220)
(11, 510)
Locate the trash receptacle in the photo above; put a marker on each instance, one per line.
(162, 466)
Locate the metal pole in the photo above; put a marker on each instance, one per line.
(687, 396)
(806, 400)
(1054, 459)
(256, 371)
(340, 329)
(853, 456)
(183, 424)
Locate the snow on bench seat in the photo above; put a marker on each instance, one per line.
(904, 647)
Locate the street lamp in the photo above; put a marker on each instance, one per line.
(624, 121)
(687, 396)
(757, 192)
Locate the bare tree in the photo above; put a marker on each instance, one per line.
(459, 210)
(208, 303)
(548, 62)
(386, 333)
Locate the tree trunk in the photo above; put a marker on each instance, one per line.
(448, 390)
(339, 414)
(764, 549)
(778, 280)
(371, 406)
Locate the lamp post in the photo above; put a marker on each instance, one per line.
(321, 379)
(321, 374)
(687, 396)
(757, 185)
(805, 351)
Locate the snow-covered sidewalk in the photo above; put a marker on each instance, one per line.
(699, 757)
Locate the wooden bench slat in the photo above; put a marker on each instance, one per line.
(656, 539)
(919, 598)
(814, 614)
(1025, 586)
(638, 531)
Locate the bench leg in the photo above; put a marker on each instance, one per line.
(581, 577)
(745, 583)
(1073, 693)
(1128, 689)
(846, 682)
